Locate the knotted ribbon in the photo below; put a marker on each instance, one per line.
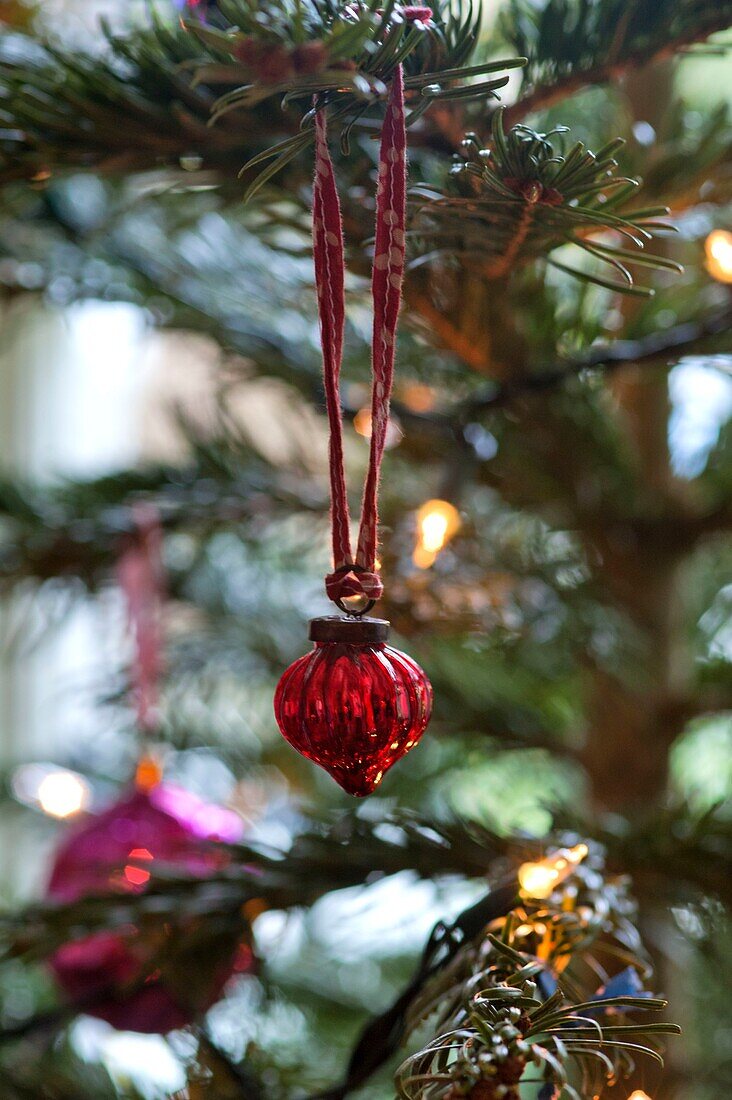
(357, 575)
(140, 575)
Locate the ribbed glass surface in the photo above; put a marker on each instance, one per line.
(353, 709)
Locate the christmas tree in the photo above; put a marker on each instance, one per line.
(534, 898)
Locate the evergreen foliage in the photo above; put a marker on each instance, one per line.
(533, 393)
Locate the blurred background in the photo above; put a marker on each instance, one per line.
(156, 343)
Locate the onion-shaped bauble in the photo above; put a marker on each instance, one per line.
(353, 705)
(161, 976)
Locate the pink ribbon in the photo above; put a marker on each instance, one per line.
(140, 575)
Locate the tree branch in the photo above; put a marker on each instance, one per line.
(543, 96)
(657, 346)
(671, 343)
(382, 1035)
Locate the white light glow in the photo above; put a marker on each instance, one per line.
(63, 794)
(701, 397)
(58, 792)
(145, 1063)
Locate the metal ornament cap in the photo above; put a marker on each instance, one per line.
(351, 631)
(354, 705)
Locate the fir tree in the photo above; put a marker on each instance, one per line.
(573, 623)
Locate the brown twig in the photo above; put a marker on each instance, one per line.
(449, 335)
(670, 343)
(503, 264)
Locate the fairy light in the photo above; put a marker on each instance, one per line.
(437, 522)
(538, 880)
(55, 791)
(718, 249)
(362, 424)
(63, 794)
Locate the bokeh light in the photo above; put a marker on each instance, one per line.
(394, 433)
(537, 880)
(437, 522)
(718, 249)
(58, 792)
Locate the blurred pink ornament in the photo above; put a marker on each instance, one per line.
(111, 974)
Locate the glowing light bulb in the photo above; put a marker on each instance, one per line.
(639, 1094)
(538, 880)
(524, 930)
(718, 248)
(434, 531)
(362, 424)
(437, 522)
(62, 794)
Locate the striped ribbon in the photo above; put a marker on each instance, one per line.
(357, 575)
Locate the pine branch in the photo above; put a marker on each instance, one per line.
(675, 853)
(142, 107)
(480, 964)
(77, 529)
(351, 56)
(330, 856)
(524, 197)
(457, 958)
(136, 110)
(383, 1035)
(686, 166)
(667, 345)
(521, 221)
(572, 45)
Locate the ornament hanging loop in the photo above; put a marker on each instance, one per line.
(355, 585)
(355, 606)
(354, 589)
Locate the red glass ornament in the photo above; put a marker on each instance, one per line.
(353, 705)
(114, 853)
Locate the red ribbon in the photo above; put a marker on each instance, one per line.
(386, 289)
(140, 575)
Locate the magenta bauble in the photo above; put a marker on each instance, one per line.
(110, 974)
(354, 705)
